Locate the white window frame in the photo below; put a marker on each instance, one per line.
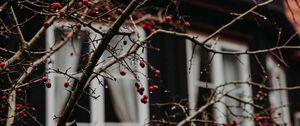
(97, 107)
(217, 77)
(278, 98)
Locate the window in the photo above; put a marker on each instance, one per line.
(118, 104)
(220, 69)
(278, 98)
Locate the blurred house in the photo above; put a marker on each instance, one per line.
(185, 80)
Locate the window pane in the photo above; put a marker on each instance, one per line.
(205, 62)
(121, 101)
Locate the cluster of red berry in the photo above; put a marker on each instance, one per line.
(46, 82)
(169, 20)
(123, 73)
(260, 95)
(140, 89)
(263, 120)
(149, 25)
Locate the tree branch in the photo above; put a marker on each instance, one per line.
(17, 31)
(75, 96)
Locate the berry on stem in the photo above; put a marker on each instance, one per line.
(78, 26)
(90, 4)
(4, 97)
(23, 114)
(62, 13)
(153, 87)
(142, 63)
(33, 109)
(66, 84)
(157, 73)
(137, 85)
(19, 105)
(7, 69)
(56, 5)
(44, 78)
(48, 84)
(141, 90)
(187, 24)
(145, 97)
(2, 65)
(168, 19)
(85, 1)
(122, 72)
(19, 90)
(46, 24)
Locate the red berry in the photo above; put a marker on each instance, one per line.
(62, 13)
(137, 85)
(56, 5)
(187, 24)
(145, 97)
(23, 114)
(7, 69)
(4, 97)
(90, 4)
(44, 78)
(151, 88)
(4, 106)
(234, 123)
(66, 84)
(48, 85)
(168, 19)
(155, 86)
(258, 118)
(33, 109)
(2, 65)
(157, 73)
(141, 90)
(122, 72)
(142, 64)
(144, 101)
(46, 24)
(19, 105)
(85, 1)
(19, 90)
(94, 11)
(78, 26)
